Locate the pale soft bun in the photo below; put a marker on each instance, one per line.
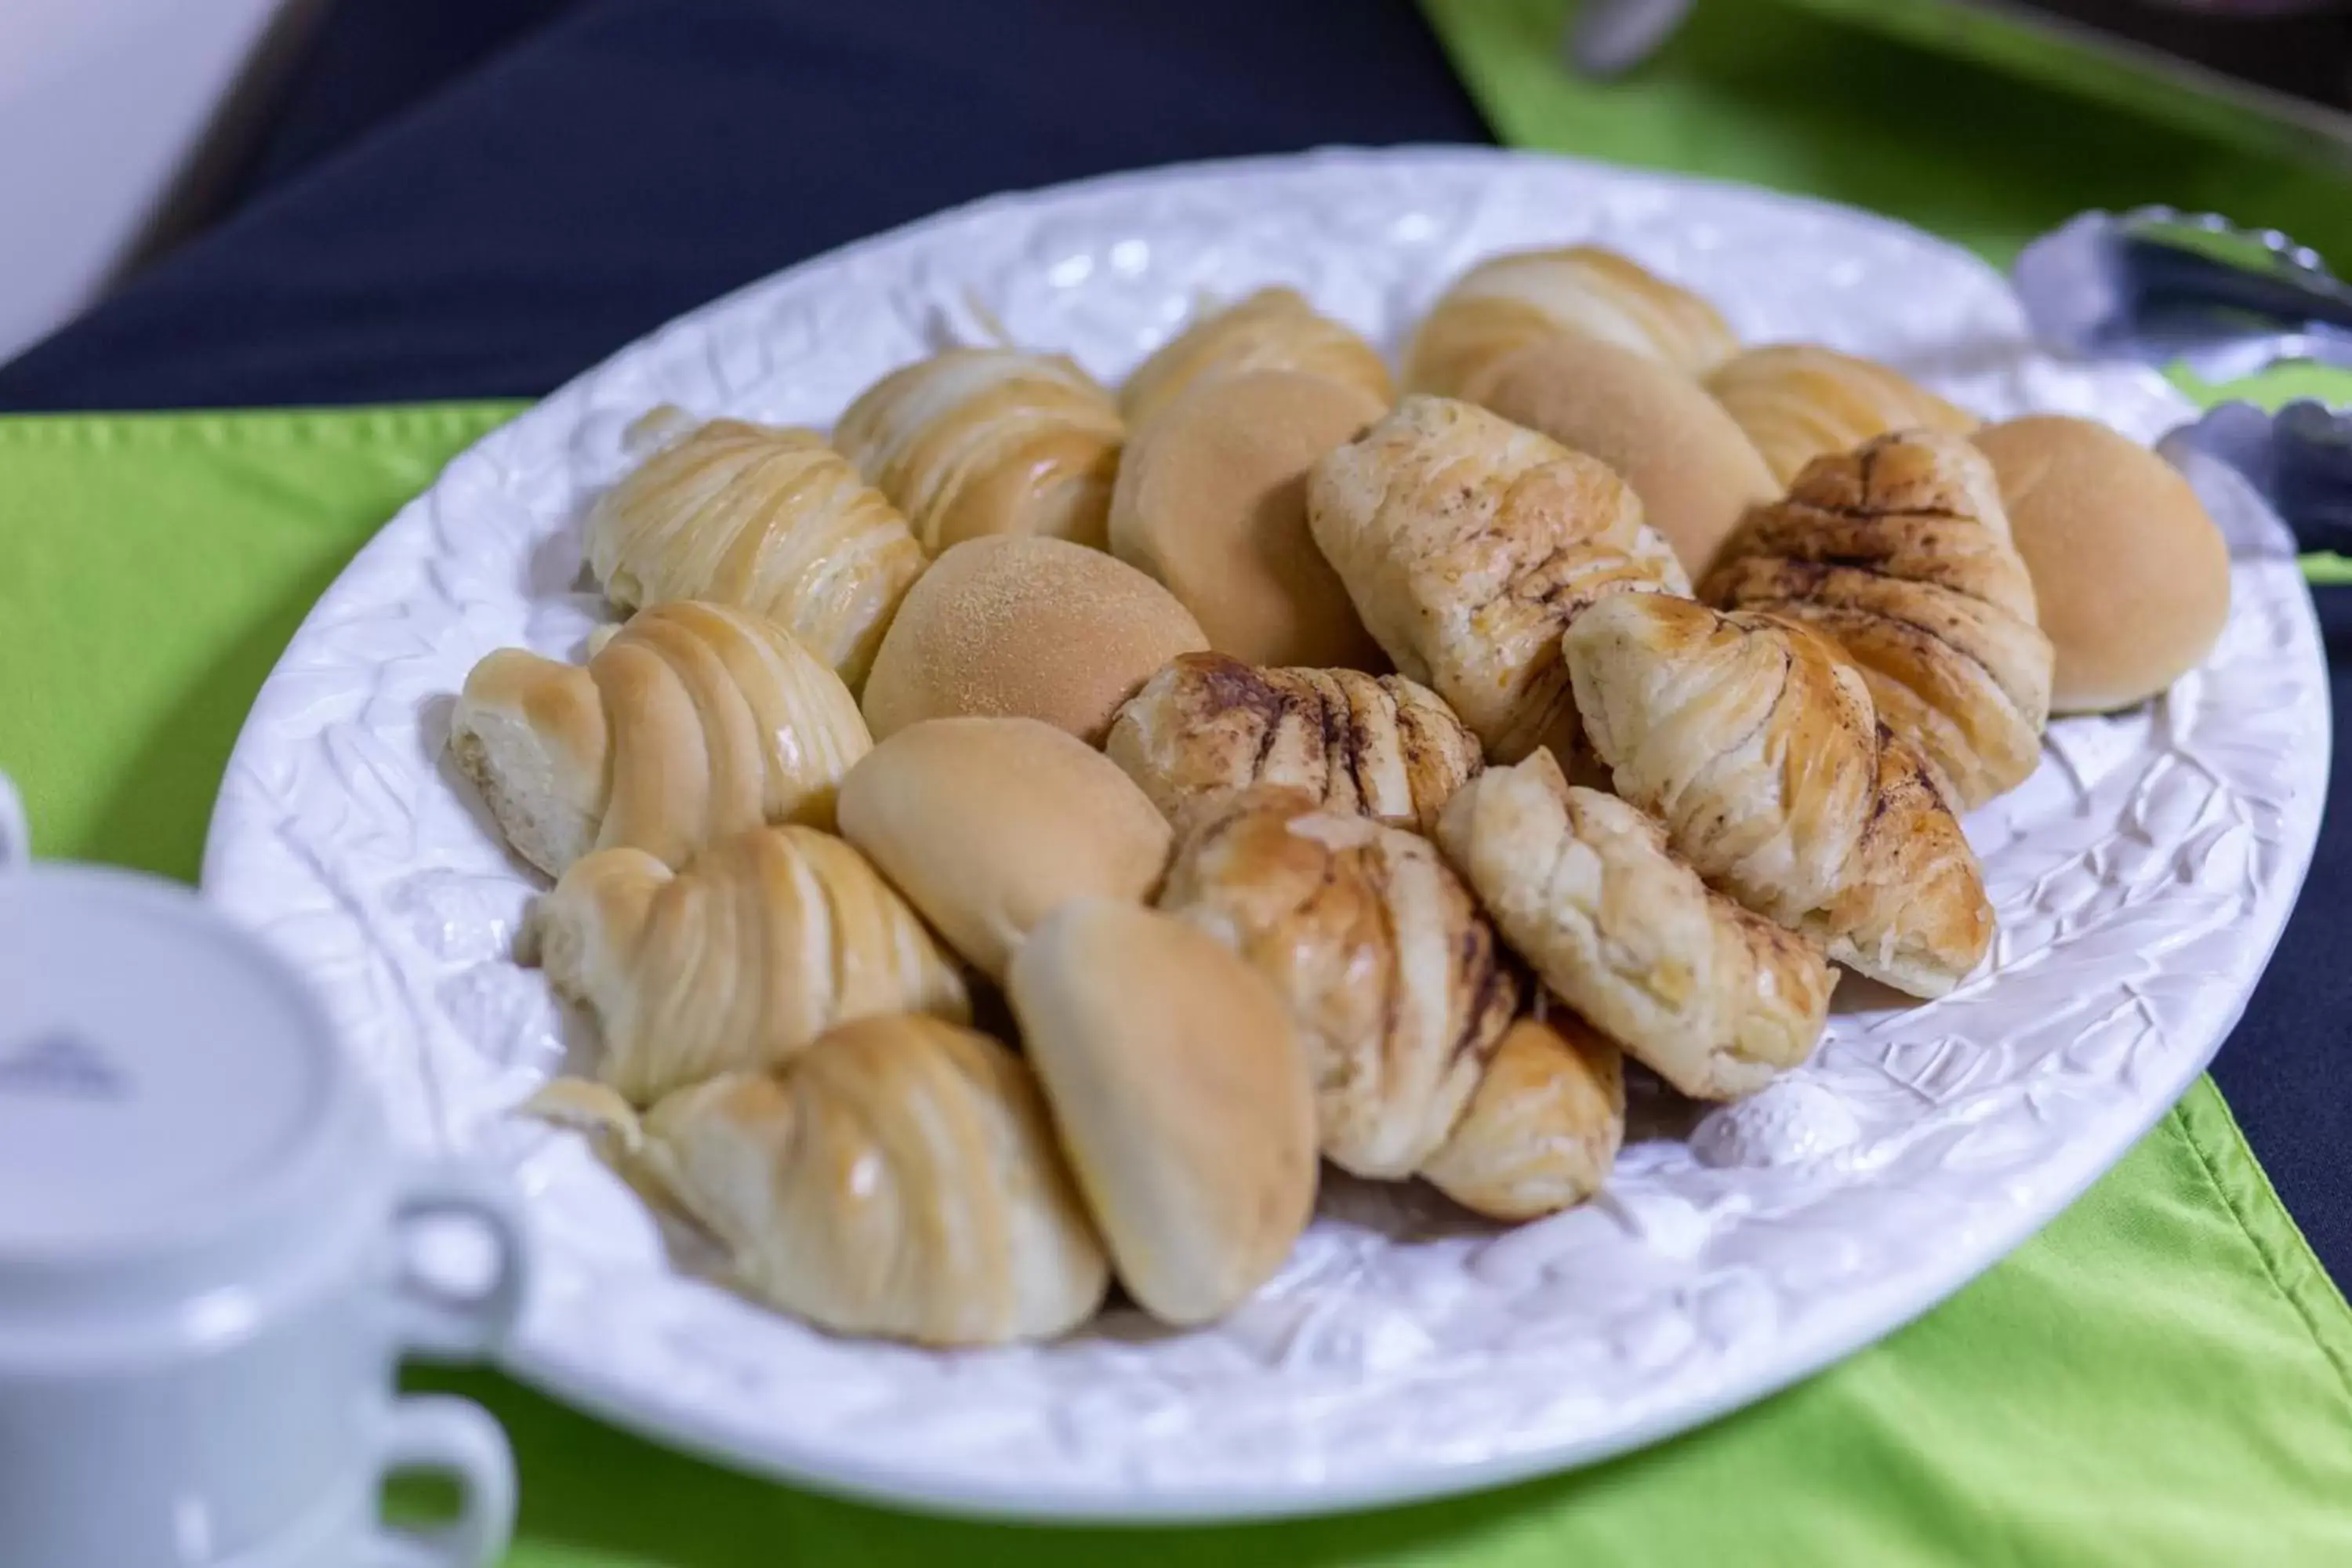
(1693, 466)
(1025, 625)
(2131, 577)
(1180, 1091)
(988, 825)
(1212, 501)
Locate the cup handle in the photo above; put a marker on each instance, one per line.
(457, 1438)
(16, 838)
(434, 1322)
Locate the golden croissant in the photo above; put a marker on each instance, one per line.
(1543, 1126)
(1714, 997)
(1467, 545)
(1510, 300)
(980, 441)
(1900, 552)
(1757, 746)
(1798, 401)
(763, 942)
(772, 521)
(1208, 724)
(1274, 328)
(900, 1178)
(1391, 971)
(691, 722)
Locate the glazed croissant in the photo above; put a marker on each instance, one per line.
(1274, 328)
(1391, 971)
(770, 520)
(691, 722)
(1468, 544)
(899, 1178)
(1510, 300)
(1798, 401)
(1900, 552)
(1543, 1126)
(981, 441)
(766, 940)
(1208, 724)
(1714, 997)
(1759, 748)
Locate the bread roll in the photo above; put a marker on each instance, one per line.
(974, 442)
(1799, 401)
(899, 1178)
(691, 722)
(1181, 1095)
(990, 824)
(1544, 1127)
(1212, 501)
(762, 942)
(1509, 300)
(1037, 628)
(1208, 725)
(1468, 544)
(1274, 328)
(1692, 467)
(2132, 576)
(766, 520)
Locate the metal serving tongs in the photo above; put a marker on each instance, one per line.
(2160, 286)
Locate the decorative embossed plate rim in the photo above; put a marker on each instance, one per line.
(2142, 877)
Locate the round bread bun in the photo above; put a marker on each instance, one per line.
(2131, 577)
(1693, 466)
(1029, 626)
(988, 825)
(1212, 501)
(1180, 1091)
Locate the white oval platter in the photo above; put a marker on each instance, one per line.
(2141, 879)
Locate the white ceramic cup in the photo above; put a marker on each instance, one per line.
(210, 1255)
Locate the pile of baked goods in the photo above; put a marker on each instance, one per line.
(1011, 842)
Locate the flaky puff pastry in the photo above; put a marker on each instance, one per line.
(691, 722)
(1900, 552)
(1543, 1126)
(1390, 970)
(1510, 300)
(1468, 544)
(899, 1178)
(1712, 996)
(763, 942)
(977, 441)
(1208, 725)
(1798, 401)
(1757, 746)
(1274, 328)
(767, 520)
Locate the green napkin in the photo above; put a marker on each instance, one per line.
(2163, 1377)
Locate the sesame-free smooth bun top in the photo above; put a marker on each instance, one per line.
(1212, 501)
(1025, 625)
(2130, 574)
(1693, 466)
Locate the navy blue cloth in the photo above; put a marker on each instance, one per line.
(469, 198)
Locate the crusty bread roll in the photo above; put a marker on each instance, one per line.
(690, 723)
(1181, 1095)
(763, 942)
(979, 441)
(1274, 328)
(1212, 501)
(1509, 300)
(1034, 627)
(1694, 468)
(770, 520)
(1208, 725)
(1800, 400)
(899, 1178)
(1544, 1127)
(2131, 575)
(988, 825)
